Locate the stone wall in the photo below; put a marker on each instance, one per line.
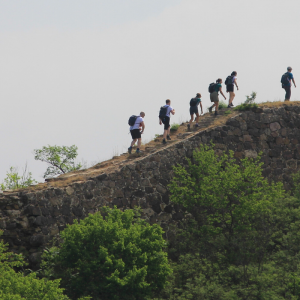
(30, 220)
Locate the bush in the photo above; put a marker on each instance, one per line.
(222, 104)
(14, 285)
(116, 257)
(243, 107)
(174, 127)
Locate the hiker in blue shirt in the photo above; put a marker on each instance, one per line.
(286, 83)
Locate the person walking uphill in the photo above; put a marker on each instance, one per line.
(286, 83)
(136, 122)
(194, 109)
(164, 117)
(214, 96)
(230, 82)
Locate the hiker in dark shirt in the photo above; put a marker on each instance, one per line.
(194, 109)
(286, 83)
(166, 120)
(214, 96)
(230, 88)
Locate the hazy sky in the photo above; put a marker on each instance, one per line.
(73, 71)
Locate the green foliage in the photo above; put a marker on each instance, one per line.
(243, 107)
(250, 99)
(116, 257)
(15, 286)
(222, 104)
(227, 112)
(60, 159)
(240, 239)
(248, 104)
(15, 181)
(174, 127)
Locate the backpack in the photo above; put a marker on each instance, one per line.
(132, 120)
(211, 87)
(228, 80)
(163, 112)
(285, 79)
(193, 102)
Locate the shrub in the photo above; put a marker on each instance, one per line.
(113, 257)
(174, 127)
(222, 104)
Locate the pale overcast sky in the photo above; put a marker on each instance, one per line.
(73, 71)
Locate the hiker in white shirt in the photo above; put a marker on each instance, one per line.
(136, 133)
(166, 120)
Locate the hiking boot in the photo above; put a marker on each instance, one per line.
(216, 113)
(164, 141)
(210, 109)
(129, 150)
(138, 151)
(189, 126)
(231, 105)
(197, 125)
(168, 138)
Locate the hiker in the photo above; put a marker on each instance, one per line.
(230, 82)
(164, 117)
(194, 109)
(214, 96)
(136, 122)
(286, 83)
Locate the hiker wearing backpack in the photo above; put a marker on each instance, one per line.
(214, 89)
(136, 122)
(286, 83)
(164, 118)
(230, 82)
(194, 109)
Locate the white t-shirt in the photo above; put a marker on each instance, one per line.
(233, 79)
(168, 110)
(137, 123)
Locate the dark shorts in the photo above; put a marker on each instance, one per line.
(166, 122)
(193, 110)
(230, 88)
(135, 133)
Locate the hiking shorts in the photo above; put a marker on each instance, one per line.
(166, 122)
(193, 110)
(230, 88)
(214, 97)
(136, 134)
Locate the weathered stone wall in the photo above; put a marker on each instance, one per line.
(30, 220)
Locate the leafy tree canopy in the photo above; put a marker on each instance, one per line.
(16, 286)
(60, 159)
(117, 256)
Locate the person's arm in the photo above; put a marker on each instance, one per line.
(201, 108)
(142, 124)
(294, 82)
(172, 111)
(222, 92)
(160, 122)
(236, 84)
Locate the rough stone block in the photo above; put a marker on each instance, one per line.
(275, 126)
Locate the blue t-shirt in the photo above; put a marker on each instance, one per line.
(290, 77)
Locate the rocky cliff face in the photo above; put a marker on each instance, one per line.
(30, 219)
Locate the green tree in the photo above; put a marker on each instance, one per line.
(60, 159)
(16, 286)
(118, 256)
(15, 181)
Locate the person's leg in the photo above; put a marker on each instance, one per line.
(192, 119)
(232, 95)
(139, 143)
(197, 118)
(166, 129)
(217, 106)
(168, 132)
(287, 93)
(133, 142)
